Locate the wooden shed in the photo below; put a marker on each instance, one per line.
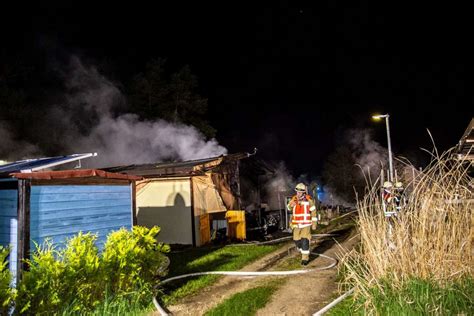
(59, 204)
(187, 199)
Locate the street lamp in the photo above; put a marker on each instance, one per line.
(390, 164)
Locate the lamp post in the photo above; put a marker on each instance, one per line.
(390, 164)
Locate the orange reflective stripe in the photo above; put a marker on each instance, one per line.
(302, 211)
(301, 219)
(302, 216)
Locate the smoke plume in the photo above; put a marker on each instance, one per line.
(369, 155)
(278, 185)
(85, 120)
(355, 163)
(331, 197)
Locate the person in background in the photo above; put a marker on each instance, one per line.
(399, 196)
(388, 197)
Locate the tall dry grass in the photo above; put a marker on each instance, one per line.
(430, 239)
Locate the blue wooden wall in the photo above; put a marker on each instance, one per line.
(8, 224)
(61, 211)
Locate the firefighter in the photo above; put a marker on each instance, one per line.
(303, 219)
(399, 195)
(387, 192)
(388, 198)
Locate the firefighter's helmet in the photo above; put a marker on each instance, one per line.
(300, 187)
(387, 184)
(398, 185)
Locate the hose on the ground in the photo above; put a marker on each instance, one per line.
(251, 273)
(333, 303)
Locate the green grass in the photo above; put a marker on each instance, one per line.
(228, 258)
(421, 297)
(417, 297)
(122, 308)
(346, 307)
(247, 302)
(116, 306)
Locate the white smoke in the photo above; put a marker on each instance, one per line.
(369, 155)
(90, 126)
(90, 90)
(278, 185)
(281, 180)
(281, 184)
(126, 140)
(331, 198)
(358, 162)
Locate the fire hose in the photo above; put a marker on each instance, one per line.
(251, 273)
(333, 303)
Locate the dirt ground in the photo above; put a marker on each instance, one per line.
(226, 287)
(302, 294)
(305, 294)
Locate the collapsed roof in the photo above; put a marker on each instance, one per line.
(178, 169)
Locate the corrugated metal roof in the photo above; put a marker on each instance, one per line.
(31, 165)
(67, 174)
(177, 169)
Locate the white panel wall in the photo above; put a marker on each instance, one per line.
(167, 203)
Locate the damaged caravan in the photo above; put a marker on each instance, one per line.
(189, 199)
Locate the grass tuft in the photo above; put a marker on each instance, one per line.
(247, 302)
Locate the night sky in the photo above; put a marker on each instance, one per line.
(286, 77)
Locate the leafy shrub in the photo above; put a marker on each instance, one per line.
(133, 261)
(7, 294)
(83, 274)
(42, 287)
(77, 279)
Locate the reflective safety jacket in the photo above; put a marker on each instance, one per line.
(304, 211)
(387, 196)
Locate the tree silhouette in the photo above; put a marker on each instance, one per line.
(153, 95)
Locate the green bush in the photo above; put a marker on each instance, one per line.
(41, 288)
(7, 294)
(71, 276)
(77, 279)
(133, 261)
(83, 274)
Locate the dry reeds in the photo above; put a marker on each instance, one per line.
(429, 239)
